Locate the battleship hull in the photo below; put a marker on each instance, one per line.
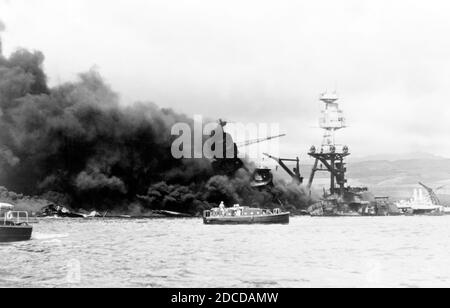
(15, 233)
(282, 218)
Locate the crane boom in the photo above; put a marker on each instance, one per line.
(295, 174)
(255, 141)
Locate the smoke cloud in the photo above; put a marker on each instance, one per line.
(2, 26)
(77, 143)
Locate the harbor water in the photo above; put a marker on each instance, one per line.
(309, 252)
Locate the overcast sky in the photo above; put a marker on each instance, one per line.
(261, 61)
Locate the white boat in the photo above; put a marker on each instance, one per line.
(421, 204)
(244, 215)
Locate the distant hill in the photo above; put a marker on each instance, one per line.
(396, 157)
(409, 171)
(398, 178)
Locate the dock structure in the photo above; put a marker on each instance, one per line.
(330, 156)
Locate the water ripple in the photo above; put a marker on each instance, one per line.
(310, 252)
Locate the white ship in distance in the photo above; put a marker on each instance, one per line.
(421, 203)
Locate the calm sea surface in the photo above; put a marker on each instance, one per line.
(310, 252)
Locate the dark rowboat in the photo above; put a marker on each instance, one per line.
(244, 215)
(14, 233)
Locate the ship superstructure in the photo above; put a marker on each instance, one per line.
(330, 156)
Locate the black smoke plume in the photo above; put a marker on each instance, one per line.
(74, 142)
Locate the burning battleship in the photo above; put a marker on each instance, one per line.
(340, 200)
(330, 157)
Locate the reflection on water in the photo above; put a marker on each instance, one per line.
(310, 252)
